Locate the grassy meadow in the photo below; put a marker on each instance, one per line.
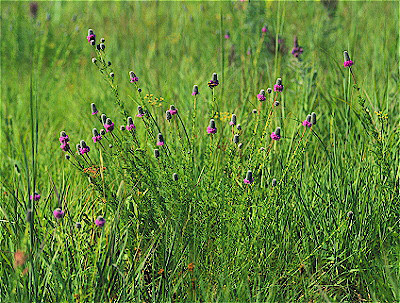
(274, 208)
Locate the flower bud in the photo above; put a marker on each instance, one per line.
(278, 131)
(103, 118)
(168, 115)
(94, 60)
(156, 153)
(175, 176)
(236, 139)
(313, 118)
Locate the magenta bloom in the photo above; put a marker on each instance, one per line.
(84, 150)
(214, 82)
(160, 141)
(91, 37)
(348, 63)
(58, 213)
(100, 221)
(131, 127)
(275, 137)
(297, 50)
(173, 110)
(65, 146)
(94, 109)
(133, 77)
(261, 95)
(35, 197)
(195, 90)
(249, 178)
(211, 129)
(227, 36)
(64, 140)
(278, 87)
(307, 123)
(109, 125)
(264, 29)
(96, 138)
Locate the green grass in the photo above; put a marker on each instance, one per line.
(328, 232)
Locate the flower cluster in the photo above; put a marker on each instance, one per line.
(278, 87)
(347, 61)
(296, 50)
(214, 82)
(64, 140)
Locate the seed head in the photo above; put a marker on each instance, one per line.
(109, 63)
(102, 40)
(236, 139)
(276, 103)
(313, 118)
(104, 118)
(239, 127)
(156, 153)
(168, 115)
(102, 132)
(112, 75)
(94, 60)
(273, 183)
(240, 145)
(269, 90)
(122, 127)
(102, 46)
(67, 157)
(215, 77)
(175, 176)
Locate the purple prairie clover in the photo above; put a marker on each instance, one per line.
(278, 87)
(233, 120)
(175, 177)
(173, 110)
(156, 153)
(236, 139)
(347, 61)
(264, 29)
(58, 213)
(249, 51)
(130, 125)
(100, 221)
(91, 36)
(140, 112)
(34, 197)
(160, 140)
(122, 127)
(227, 35)
(276, 135)
(269, 90)
(109, 125)
(78, 148)
(94, 109)
(84, 148)
(261, 95)
(307, 121)
(211, 129)
(296, 50)
(249, 178)
(195, 90)
(63, 137)
(103, 118)
(133, 77)
(276, 103)
(214, 82)
(96, 136)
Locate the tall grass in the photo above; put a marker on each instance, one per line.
(329, 229)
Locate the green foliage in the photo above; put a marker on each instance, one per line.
(329, 229)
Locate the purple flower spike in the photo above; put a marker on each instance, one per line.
(160, 141)
(91, 36)
(63, 137)
(195, 90)
(109, 125)
(100, 221)
(264, 29)
(249, 178)
(214, 82)
(58, 213)
(83, 149)
(96, 136)
(173, 110)
(140, 112)
(276, 135)
(131, 127)
(94, 109)
(278, 87)
(307, 122)
(211, 129)
(261, 95)
(133, 77)
(35, 197)
(347, 60)
(297, 50)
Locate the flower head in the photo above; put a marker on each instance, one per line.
(96, 136)
(160, 139)
(278, 87)
(307, 121)
(130, 125)
(133, 77)
(264, 29)
(58, 213)
(63, 137)
(175, 177)
(296, 50)
(94, 109)
(347, 61)
(211, 129)
(276, 135)
(214, 82)
(100, 221)
(91, 37)
(249, 178)
(168, 115)
(233, 120)
(227, 35)
(313, 118)
(109, 125)
(35, 197)
(173, 110)
(140, 112)
(84, 149)
(195, 90)
(261, 95)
